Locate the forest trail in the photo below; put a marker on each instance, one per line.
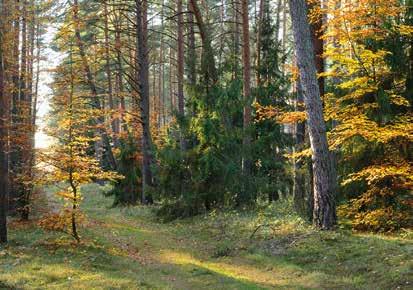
(128, 248)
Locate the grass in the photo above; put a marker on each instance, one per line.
(127, 248)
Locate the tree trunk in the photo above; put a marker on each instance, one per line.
(246, 54)
(235, 69)
(143, 85)
(191, 62)
(299, 190)
(161, 80)
(324, 206)
(119, 75)
(91, 83)
(181, 100)
(208, 60)
(24, 109)
(316, 29)
(260, 23)
(4, 172)
(109, 75)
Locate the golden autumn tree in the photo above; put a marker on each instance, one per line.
(370, 109)
(70, 162)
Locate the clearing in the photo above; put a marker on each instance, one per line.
(128, 248)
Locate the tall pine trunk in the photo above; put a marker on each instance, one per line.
(191, 52)
(181, 100)
(143, 86)
(324, 215)
(259, 44)
(4, 173)
(299, 190)
(208, 67)
(246, 55)
(92, 86)
(108, 70)
(23, 121)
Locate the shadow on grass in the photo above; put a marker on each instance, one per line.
(128, 249)
(59, 264)
(5, 286)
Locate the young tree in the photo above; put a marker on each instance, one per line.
(324, 215)
(68, 160)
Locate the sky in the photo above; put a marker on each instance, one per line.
(50, 60)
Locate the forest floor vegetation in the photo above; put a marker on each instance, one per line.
(128, 248)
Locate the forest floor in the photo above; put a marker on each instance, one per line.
(128, 248)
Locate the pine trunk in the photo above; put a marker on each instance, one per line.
(324, 215)
(143, 84)
(4, 174)
(299, 190)
(191, 62)
(92, 86)
(115, 130)
(208, 60)
(246, 54)
(181, 100)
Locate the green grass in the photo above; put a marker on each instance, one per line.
(127, 248)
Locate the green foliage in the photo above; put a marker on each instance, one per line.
(127, 190)
(204, 174)
(207, 173)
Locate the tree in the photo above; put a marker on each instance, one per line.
(92, 86)
(181, 41)
(246, 55)
(4, 170)
(371, 105)
(324, 215)
(114, 123)
(208, 66)
(70, 165)
(142, 82)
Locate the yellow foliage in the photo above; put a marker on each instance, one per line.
(365, 85)
(278, 115)
(60, 222)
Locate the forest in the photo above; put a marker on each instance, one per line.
(206, 144)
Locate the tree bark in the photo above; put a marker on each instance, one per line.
(115, 128)
(24, 122)
(181, 100)
(143, 86)
(246, 54)
(191, 48)
(92, 86)
(260, 23)
(119, 74)
(161, 80)
(180, 59)
(324, 215)
(316, 28)
(235, 69)
(208, 60)
(4, 172)
(14, 69)
(299, 190)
